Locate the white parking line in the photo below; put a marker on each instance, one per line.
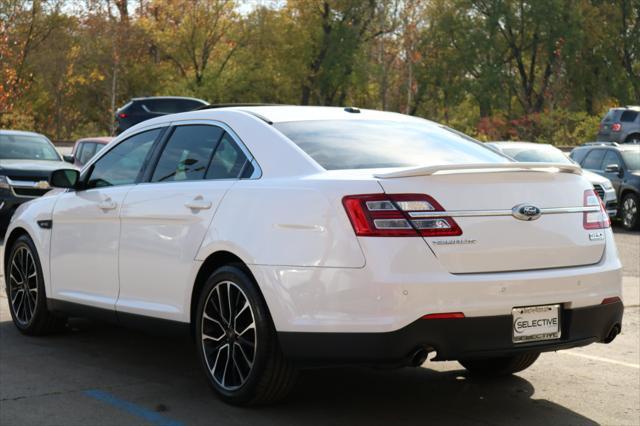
(597, 358)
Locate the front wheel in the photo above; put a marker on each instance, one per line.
(502, 366)
(629, 212)
(26, 292)
(237, 343)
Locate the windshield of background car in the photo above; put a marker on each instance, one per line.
(368, 144)
(26, 147)
(631, 159)
(543, 154)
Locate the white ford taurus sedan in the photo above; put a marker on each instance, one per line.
(286, 237)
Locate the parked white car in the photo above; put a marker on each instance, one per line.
(286, 237)
(541, 152)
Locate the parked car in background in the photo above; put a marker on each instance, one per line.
(138, 110)
(545, 153)
(621, 165)
(84, 150)
(26, 162)
(621, 125)
(284, 236)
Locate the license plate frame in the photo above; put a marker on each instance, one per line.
(536, 323)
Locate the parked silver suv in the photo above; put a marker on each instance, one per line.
(621, 125)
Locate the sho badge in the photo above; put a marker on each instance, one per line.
(526, 212)
(596, 236)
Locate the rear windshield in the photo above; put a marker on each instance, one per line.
(26, 147)
(631, 159)
(541, 154)
(611, 115)
(360, 144)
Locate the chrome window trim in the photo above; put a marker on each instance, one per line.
(484, 213)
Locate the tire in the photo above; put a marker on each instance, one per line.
(30, 314)
(258, 372)
(629, 211)
(504, 366)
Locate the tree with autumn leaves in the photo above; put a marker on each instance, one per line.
(541, 70)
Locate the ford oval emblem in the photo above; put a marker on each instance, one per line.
(526, 212)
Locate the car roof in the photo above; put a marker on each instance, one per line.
(290, 113)
(21, 132)
(619, 147)
(98, 139)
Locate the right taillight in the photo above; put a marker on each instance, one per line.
(597, 219)
(398, 215)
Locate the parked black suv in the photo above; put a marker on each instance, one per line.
(621, 164)
(621, 125)
(26, 162)
(141, 109)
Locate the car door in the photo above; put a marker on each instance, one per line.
(613, 158)
(165, 219)
(86, 225)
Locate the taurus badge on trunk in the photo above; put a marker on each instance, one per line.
(526, 212)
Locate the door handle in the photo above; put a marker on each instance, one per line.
(107, 204)
(198, 203)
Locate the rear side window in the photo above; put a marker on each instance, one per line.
(363, 144)
(87, 151)
(187, 154)
(594, 159)
(228, 161)
(629, 116)
(124, 163)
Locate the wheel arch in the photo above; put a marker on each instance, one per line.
(211, 263)
(8, 242)
(631, 136)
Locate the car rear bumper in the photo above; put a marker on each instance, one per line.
(451, 339)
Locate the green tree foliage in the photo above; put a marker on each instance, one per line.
(542, 70)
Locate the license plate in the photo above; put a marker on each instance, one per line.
(535, 323)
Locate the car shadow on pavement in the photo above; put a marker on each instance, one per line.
(163, 374)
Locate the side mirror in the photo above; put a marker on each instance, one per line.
(614, 168)
(68, 158)
(64, 178)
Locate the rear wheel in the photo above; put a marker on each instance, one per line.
(502, 366)
(26, 293)
(629, 211)
(238, 346)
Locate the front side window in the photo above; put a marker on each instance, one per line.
(593, 159)
(187, 154)
(123, 164)
(26, 147)
(611, 158)
(364, 144)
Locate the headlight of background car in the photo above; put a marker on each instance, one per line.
(4, 183)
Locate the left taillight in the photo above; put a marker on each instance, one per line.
(398, 215)
(598, 219)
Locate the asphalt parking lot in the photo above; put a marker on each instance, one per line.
(98, 374)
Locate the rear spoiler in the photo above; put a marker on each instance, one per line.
(481, 167)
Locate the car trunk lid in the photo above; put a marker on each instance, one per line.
(484, 200)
